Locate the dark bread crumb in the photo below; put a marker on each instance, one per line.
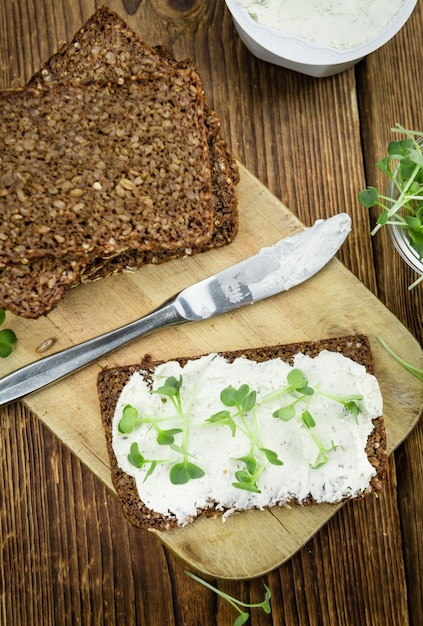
(102, 169)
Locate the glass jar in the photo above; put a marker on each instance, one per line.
(401, 239)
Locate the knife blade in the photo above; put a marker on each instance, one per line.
(273, 270)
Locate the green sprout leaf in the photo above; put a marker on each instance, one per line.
(237, 604)
(153, 465)
(353, 408)
(250, 463)
(181, 473)
(5, 350)
(399, 148)
(171, 387)
(166, 437)
(223, 417)
(296, 379)
(368, 197)
(247, 485)
(285, 413)
(243, 476)
(229, 396)
(135, 457)
(129, 419)
(271, 456)
(243, 398)
(7, 337)
(248, 402)
(308, 419)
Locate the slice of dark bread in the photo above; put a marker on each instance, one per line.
(101, 168)
(112, 380)
(107, 51)
(105, 48)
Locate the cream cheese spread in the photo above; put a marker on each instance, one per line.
(219, 449)
(343, 24)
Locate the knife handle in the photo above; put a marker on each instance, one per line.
(51, 368)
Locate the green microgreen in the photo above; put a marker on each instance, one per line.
(243, 398)
(415, 371)
(403, 165)
(296, 382)
(137, 460)
(135, 457)
(7, 337)
(128, 420)
(349, 402)
(308, 419)
(322, 457)
(180, 471)
(271, 456)
(171, 389)
(243, 416)
(246, 479)
(243, 616)
(299, 389)
(223, 417)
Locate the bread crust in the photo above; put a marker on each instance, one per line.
(112, 380)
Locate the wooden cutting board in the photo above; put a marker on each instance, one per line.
(333, 303)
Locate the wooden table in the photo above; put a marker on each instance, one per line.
(67, 555)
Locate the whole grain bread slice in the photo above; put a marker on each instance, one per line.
(107, 49)
(104, 168)
(31, 289)
(112, 380)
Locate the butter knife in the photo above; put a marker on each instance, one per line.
(275, 269)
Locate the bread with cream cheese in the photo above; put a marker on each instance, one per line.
(112, 381)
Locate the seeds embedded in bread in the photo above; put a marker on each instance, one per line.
(102, 169)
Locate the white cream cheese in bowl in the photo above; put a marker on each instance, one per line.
(342, 24)
(317, 37)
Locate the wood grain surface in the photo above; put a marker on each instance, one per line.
(68, 557)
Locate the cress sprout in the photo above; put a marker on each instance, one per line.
(181, 471)
(7, 337)
(240, 412)
(242, 401)
(415, 371)
(243, 616)
(403, 165)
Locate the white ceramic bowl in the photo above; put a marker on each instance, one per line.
(305, 56)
